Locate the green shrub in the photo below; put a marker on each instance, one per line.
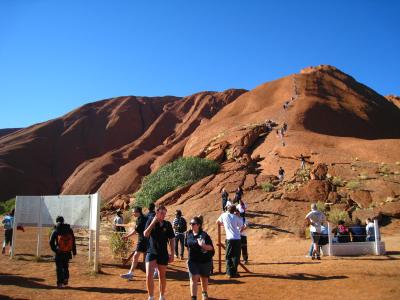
(127, 216)
(119, 247)
(303, 174)
(7, 206)
(363, 176)
(335, 215)
(353, 185)
(290, 187)
(321, 206)
(337, 181)
(181, 172)
(384, 169)
(267, 187)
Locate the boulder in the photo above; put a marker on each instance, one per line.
(319, 172)
(317, 190)
(362, 198)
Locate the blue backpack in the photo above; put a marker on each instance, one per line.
(8, 223)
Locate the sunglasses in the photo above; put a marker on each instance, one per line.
(191, 223)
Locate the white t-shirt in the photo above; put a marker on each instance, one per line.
(370, 229)
(232, 225)
(228, 203)
(240, 208)
(244, 232)
(317, 218)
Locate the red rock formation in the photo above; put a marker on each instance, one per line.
(38, 159)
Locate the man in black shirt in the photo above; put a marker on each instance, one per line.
(141, 247)
(62, 242)
(160, 233)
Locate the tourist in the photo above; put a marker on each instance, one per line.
(241, 208)
(243, 239)
(8, 225)
(141, 247)
(62, 242)
(118, 222)
(358, 232)
(370, 230)
(343, 235)
(160, 233)
(238, 194)
(281, 174)
(180, 228)
(323, 240)
(224, 198)
(315, 219)
(302, 162)
(233, 225)
(201, 251)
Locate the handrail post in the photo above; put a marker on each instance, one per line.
(219, 249)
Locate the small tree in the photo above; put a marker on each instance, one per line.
(119, 247)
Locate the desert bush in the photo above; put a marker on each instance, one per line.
(119, 247)
(290, 187)
(337, 181)
(303, 174)
(228, 153)
(363, 176)
(7, 206)
(127, 216)
(267, 187)
(335, 215)
(321, 206)
(353, 185)
(181, 172)
(384, 169)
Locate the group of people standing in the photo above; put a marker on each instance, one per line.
(236, 207)
(158, 240)
(343, 234)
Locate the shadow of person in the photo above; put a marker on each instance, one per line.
(26, 282)
(297, 276)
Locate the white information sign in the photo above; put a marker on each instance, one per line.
(27, 209)
(80, 211)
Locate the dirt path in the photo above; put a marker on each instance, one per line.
(279, 271)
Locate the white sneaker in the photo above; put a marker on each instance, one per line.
(128, 276)
(151, 298)
(162, 297)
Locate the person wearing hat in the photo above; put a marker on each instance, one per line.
(141, 247)
(118, 221)
(180, 227)
(62, 242)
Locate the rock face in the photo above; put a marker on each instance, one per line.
(108, 145)
(321, 113)
(6, 131)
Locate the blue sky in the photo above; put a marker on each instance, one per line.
(58, 55)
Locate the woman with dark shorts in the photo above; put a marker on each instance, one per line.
(201, 250)
(141, 247)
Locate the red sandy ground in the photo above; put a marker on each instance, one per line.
(278, 265)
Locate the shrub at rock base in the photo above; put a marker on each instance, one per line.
(178, 173)
(267, 187)
(119, 248)
(335, 215)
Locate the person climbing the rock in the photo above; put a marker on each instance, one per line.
(238, 194)
(284, 127)
(302, 162)
(281, 174)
